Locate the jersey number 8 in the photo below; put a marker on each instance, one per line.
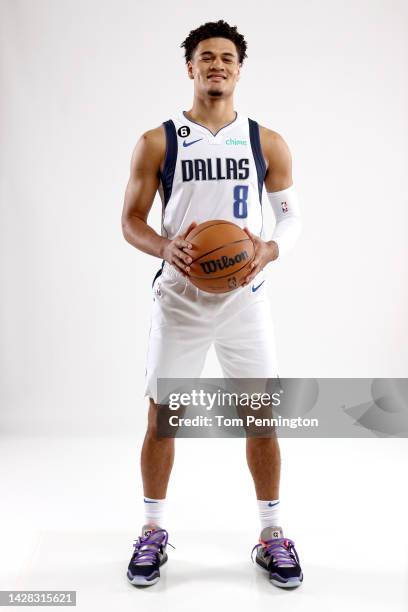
(240, 201)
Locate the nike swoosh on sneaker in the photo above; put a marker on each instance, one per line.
(270, 503)
(187, 144)
(257, 287)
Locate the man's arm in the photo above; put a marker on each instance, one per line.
(140, 192)
(282, 194)
(278, 160)
(139, 196)
(278, 183)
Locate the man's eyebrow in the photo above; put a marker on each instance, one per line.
(223, 53)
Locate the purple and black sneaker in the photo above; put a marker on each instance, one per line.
(149, 555)
(277, 555)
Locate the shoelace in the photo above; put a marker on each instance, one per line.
(147, 547)
(281, 549)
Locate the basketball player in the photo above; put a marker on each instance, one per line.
(185, 158)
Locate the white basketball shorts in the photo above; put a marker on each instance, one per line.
(186, 321)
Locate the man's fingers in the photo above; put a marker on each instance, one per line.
(183, 256)
(192, 225)
(251, 235)
(254, 271)
(180, 239)
(180, 264)
(183, 244)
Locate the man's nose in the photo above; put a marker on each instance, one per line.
(217, 64)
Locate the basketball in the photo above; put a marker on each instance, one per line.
(222, 254)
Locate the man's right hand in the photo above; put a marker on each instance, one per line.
(175, 252)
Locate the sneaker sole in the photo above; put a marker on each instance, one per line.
(290, 584)
(142, 580)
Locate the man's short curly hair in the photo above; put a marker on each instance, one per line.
(213, 29)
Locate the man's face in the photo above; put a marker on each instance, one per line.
(214, 67)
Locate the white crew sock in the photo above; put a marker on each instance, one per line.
(154, 511)
(269, 512)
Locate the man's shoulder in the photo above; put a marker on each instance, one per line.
(273, 144)
(274, 147)
(269, 136)
(153, 140)
(153, 135)
(150, 149)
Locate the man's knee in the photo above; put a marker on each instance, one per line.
(159, 424)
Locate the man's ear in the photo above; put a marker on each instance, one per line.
(190, 70)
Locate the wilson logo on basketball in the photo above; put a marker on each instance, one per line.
(212, 265)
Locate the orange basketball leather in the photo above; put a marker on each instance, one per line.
(222, 253)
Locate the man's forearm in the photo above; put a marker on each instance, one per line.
(143, 237)
(288, 227)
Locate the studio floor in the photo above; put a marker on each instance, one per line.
(71, 508)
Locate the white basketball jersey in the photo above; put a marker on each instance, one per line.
(211, 176)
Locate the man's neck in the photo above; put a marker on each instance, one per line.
(214, 114)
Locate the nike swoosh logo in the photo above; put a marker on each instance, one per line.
(271, 504)
(256, 288)
(149, 502)
(187, 144)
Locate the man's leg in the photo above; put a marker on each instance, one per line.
(157, 458)
(180, 335)
(245, 348)
(264, 462)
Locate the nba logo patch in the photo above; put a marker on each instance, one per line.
(284, 207)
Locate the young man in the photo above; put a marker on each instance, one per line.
(197, 160)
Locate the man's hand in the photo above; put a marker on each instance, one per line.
(264, 253)
(175, 252)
